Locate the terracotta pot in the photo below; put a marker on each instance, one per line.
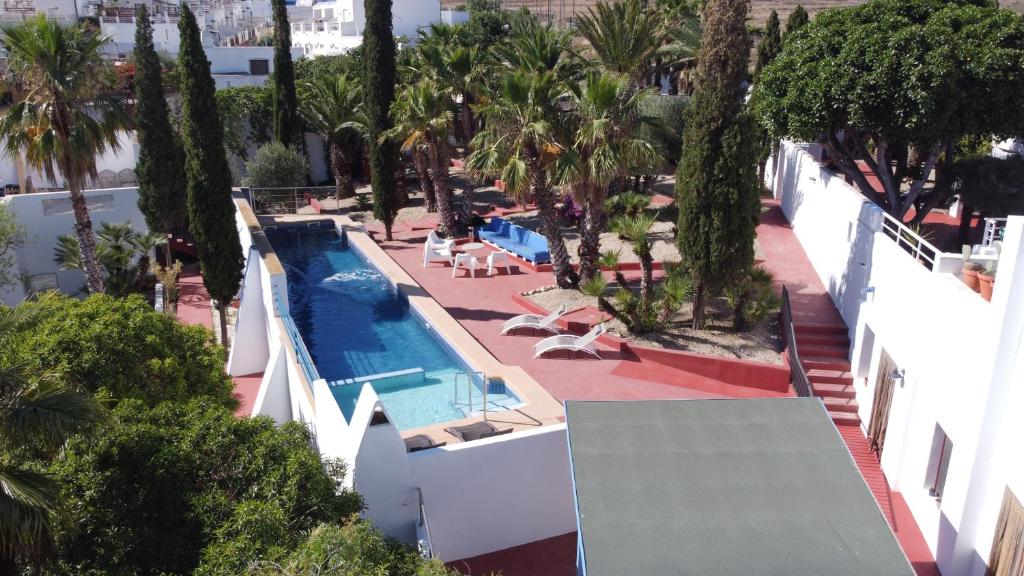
(971, 278)
(986, 285)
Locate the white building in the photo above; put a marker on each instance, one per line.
(337, 26)
(936, 367)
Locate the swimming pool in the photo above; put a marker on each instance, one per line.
(358, 329)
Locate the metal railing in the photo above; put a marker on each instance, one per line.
(468, 404)
(910, 241)
(301, 352)
(288, 200)
(798, 376)
(994, 230)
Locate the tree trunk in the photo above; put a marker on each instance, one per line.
(86, 240)
(698, 306)
(222, 313)
(739, 322)
(168, 256)
(439, 174)
(646, 275)
(964, 230)
(561, 265)
(401, 189)
(342, 167)
(590, 241)
(421, 162)
(466, 115)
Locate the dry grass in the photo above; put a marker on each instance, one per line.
(561, 10)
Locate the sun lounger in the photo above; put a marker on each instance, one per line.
(534, 321)
(570, 342)
(476, 431)
(421, 442)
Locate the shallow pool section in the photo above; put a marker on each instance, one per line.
(358, 329)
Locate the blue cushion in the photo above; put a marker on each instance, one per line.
(493, 226)
(538, 242)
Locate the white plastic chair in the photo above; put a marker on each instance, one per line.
(467, 261)
(570, 342)
(499, 258)
(437, 250)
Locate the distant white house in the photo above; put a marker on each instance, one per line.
(337, 26)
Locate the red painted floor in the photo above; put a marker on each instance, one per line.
(195, 309)
(550, 557)
(194, 306)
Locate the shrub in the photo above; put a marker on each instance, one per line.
(276, 166)
(122, 348)
(752, 298)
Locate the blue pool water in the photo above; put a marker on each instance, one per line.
(355, 325)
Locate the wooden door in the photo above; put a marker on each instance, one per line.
(1007, 557)
(879, 423)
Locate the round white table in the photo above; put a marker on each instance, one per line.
(470, 247)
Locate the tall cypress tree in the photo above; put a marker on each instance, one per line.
(161, 159)
(770, 45)
(379, 92)
(210, 208)
(716, 184)
(797, 18)
(286, 104)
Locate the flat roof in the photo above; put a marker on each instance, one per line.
(722, 488)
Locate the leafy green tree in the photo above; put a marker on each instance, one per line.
(624, 35)
(378, 94)
(39, 411)
(716, 183)
(889, 76)
(423, 118)
(356, 549)
(333, 107)
(986, 185)
(276, 166)
(121, 250)
(459, 69)
(211, 210)
(161, 160)
(350, 64)
(13, 235)
(189, 487)
(798, 18)
(153, 357)
(535, 47)
(605, 143)
(248, 115)
(63, 114)
(520, 146)
(287, 128)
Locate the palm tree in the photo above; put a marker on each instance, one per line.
(38, 412)
(520, 147)
(460, 69)
(333, 107)
(63, 117)
(536, 47)
(625, 36)
(605, 145)
(121, 251)
(423, 119)
(636, 229)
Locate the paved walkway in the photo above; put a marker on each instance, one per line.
(196, 309)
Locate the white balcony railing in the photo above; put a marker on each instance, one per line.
(994, 229)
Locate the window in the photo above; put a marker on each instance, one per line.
(938, 464)
(259, 67)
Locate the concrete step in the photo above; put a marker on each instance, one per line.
(814, 339)
(834, 404)
(844, 418)
(829, 390)
(819, 328)
(824, 363)
(830, 376)
(841, 352)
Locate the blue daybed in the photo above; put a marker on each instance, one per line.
(524, 243)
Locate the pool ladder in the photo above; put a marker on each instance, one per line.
(468, 376)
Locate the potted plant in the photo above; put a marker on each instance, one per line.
(970, 270)
(986, 279)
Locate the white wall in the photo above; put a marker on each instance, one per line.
(124, 158)
(37, 257)
(957, 350)
(496, 493)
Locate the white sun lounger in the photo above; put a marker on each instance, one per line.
(570, 342)
(534, 321)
